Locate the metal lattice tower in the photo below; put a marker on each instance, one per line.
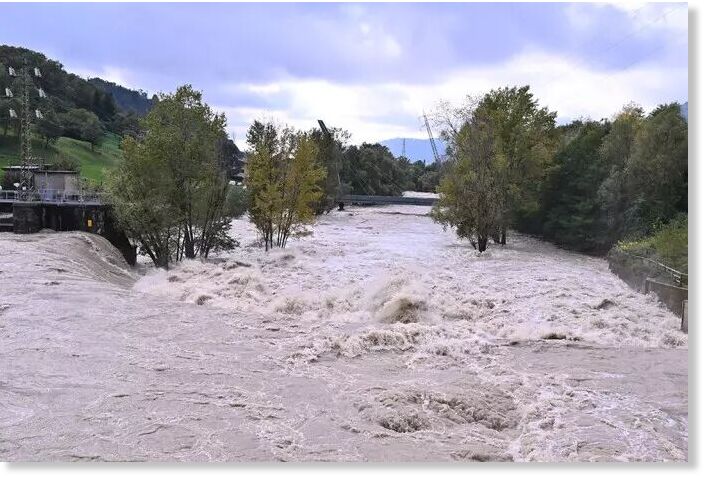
(432, 140)
(329, 136)
(26, 184)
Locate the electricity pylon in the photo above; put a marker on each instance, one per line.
(26, 184)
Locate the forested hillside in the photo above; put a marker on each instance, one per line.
(73, 107)
(127, 100)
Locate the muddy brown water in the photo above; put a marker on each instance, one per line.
(334, 353)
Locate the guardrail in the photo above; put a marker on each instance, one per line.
(56, 196)
(676, 275)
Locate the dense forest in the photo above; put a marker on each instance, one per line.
(587, 185)
(127, 100)
(612, 180)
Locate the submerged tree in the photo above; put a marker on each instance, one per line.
(526, 138)
(470, 194)
(170, 193)
(283, 179)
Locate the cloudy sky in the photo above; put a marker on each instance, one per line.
(369, 68)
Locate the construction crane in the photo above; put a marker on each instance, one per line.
(338, 166)
(432, 140)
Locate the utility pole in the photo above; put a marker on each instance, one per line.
(26, 184)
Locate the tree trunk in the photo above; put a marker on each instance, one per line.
(481, 243)
(503, 235)
(188, 246)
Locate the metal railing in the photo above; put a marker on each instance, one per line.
(56, 196)
(8, 195)
(678, 277)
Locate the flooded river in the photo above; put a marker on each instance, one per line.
(377, 336)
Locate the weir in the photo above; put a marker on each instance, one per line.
(59, 212)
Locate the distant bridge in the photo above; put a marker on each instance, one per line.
(403, 200)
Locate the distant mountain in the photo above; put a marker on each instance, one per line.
(125, 99)
(416, 149)
(684, 110)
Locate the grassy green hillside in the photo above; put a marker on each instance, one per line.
(94, 164)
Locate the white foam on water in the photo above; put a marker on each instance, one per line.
(376, 335)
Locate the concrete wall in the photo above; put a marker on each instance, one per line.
(685, 317)
(672, 296)
(644, 277)
(98, 219)
(27, 217)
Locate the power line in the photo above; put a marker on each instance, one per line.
(620, 41)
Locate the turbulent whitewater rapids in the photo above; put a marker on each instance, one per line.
(377, 337)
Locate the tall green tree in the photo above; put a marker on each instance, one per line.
(526, 139)
(171, 190)
(470, 194)
(283, 178)
(657, 169)
(615, 151)
(49, 127)
(141, 190)
(92, 131)
(572, 210)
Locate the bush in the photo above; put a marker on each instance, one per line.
(669, 244)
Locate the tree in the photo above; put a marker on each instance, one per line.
(572, 210)
(141, 192)
(83, 125)
(92, 131)
(470, 193)
(49, 128)
(283, 179)
(126, 124)
(171, 190)
(615, 151)
(330, 147)
(372, 169)
(656, 171)
(526, 139)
